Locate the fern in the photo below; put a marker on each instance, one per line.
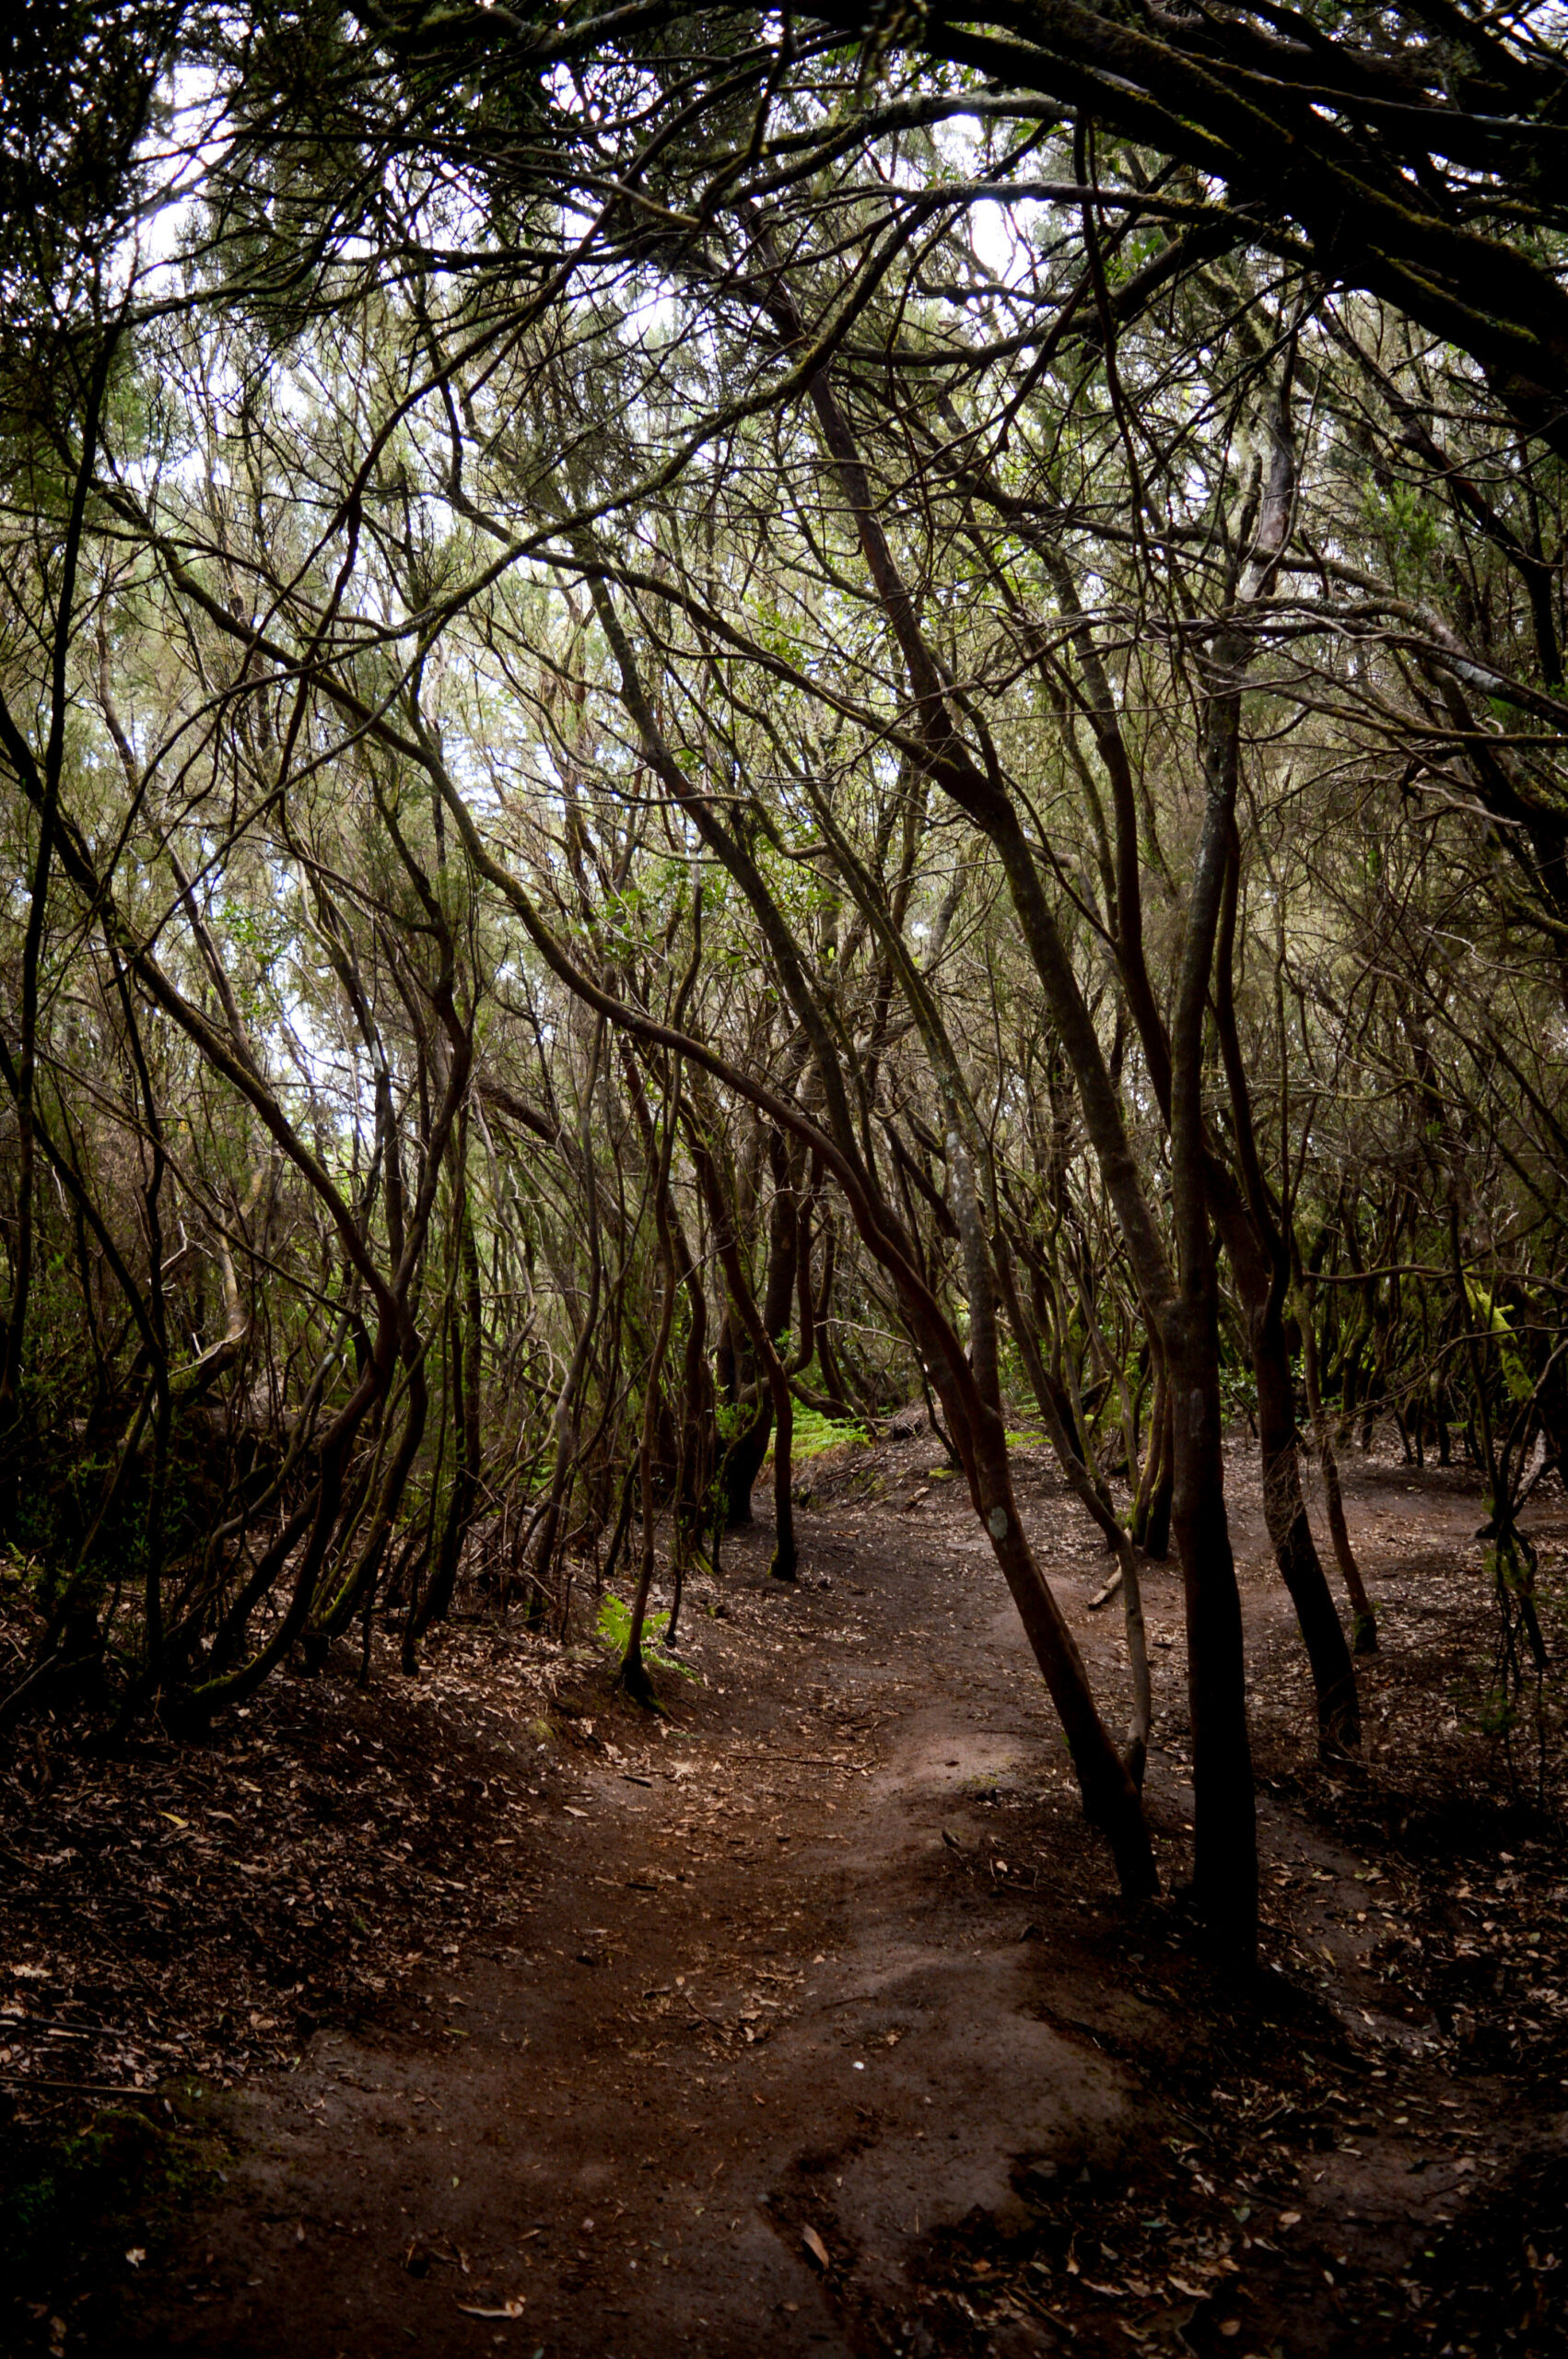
(615, 1628)
(814, 1433)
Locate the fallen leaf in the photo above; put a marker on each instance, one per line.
(512, 2309)
(1289, 2219)
(817, 2249)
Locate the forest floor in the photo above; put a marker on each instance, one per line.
(490, 2013)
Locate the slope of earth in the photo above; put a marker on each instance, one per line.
(804, 2017)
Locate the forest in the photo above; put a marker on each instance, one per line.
(786, 868)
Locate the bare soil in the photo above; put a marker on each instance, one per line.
(492, 2013)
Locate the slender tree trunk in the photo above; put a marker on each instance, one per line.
(1225, 1834)
(1296, 1552)
(1109, 1785)
(467, 1340)
(1157, 1528)
(633, 1675)
(542, 1565)
(1260, 1258)
(777, 1410)
(41, 784)
(1081, 1482)
(1364, 1612)
(742, 1461)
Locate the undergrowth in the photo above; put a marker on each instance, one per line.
(814, 1433)
(614, 1626)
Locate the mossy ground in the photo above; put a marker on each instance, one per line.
(77, 2202)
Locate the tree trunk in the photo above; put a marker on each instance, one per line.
(1364, 1612)
(1225, 1836)
(1296, 1552)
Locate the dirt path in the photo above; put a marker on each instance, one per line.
(809, 2019)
